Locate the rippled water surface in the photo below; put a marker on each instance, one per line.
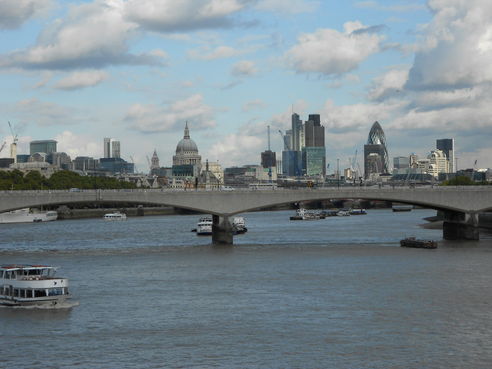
(333, 293)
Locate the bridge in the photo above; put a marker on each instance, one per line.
(460, 204)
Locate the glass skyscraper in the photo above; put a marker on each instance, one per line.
(447, 146)
(46, 146)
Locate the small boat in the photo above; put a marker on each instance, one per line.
(115, 216)
(27, 215)
(358, 212)
(32, 285)
(416, 243)
(343, 213)
(399, 208)
(329, 213)
(204, 227)
(239, 225)
(303, 214)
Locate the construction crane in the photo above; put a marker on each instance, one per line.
(133, 162)
(3, 145)
(285, 140)
(149, 162)
(13, 145)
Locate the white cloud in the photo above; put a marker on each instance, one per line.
(393, 81)
(81, 79)
(172, 16)
(207, 53)
(93, 35)
(288, 7)
(254, 105)
(153, 118)
(244, 68)
(43, 113)
(13, 13)
(236, 149)
(401, 8)
(78, 145)
(456, 47)
(330, 52)
(347, 118)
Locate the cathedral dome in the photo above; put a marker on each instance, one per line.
(186, 145)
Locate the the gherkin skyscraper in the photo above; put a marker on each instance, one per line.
(375, 152)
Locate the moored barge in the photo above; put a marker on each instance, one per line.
(420, 244)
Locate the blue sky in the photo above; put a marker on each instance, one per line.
(136, 70)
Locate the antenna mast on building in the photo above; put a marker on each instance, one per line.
(268, 127)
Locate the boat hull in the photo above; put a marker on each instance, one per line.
(25, 216)
(38, 302)
(418, 244)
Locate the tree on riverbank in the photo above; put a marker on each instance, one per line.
(463, 181)
(62, 180)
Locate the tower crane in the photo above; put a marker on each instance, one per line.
(134, 166)
(285, 140)
(13, 145)
(3, 145)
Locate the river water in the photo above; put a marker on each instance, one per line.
(332, 293)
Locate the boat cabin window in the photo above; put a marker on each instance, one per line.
(40, 293)
(55, 291)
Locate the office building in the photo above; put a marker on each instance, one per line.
(116, 166)
(85, 163)
(268, 159)
(314, 132)
(438, 163)
(112, 148)
(107, 147)
(447, 146)
(46, 146)
(314, 161)
(291, 163)
(375, 153)
(115, 149)
(60, 159)
(401, 162)
(313, 150)
(296, 132)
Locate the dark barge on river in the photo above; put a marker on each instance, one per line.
(420, 244)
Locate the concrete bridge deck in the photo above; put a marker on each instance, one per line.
(462, 203)
(464, 199)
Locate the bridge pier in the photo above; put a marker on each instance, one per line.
(221, 231)
(460, 226)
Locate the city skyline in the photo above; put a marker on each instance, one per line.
(235, 67)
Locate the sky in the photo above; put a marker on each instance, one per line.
(137, 70)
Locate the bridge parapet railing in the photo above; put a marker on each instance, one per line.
(248, 190)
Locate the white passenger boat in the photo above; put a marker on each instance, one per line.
(115, 216)
(303, 214)
(27, 215)
(32, 285)
(204, 227)
(239, 225)
(343, 213)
